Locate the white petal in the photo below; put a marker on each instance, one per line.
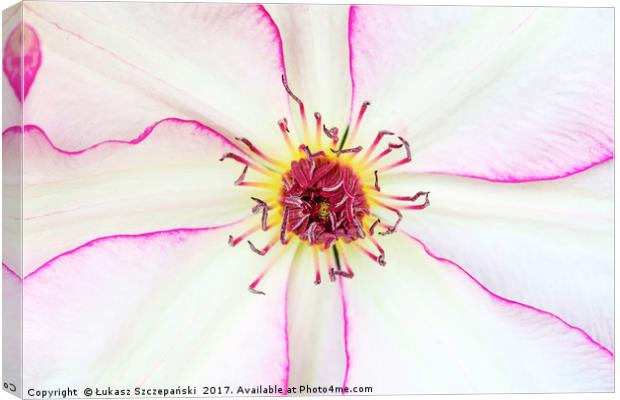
(158, 310)
(316, 51)
(546, 244)
(315, 326)
(168, 178)
(424, 326)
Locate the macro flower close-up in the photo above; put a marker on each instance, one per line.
(356, 199)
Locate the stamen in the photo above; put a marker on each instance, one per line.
(379, 259)
(377, 188)
(349, 272)
(360, 115)
(317, 270)
(283, 124)
(374, 144)
(241, 177)
(302, 109)
(390, 229)
(351, 150)
(234, 241)
(252, 287)
(255, 184)
(331, 133)
(403, 161)
(371, 230)
(262, 206)
(265, 249)
(317, 129)
(330, 269)
(243, 161)
(283, 226)
(426, 203)
(257, 151)
(402, 198)
(390, 148)
(309, 154)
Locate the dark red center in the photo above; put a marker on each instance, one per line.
(323, 201)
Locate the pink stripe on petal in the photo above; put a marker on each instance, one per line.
(172, 233)
(345, 332)
(511, 302)
(176, 302)
(174, 179)
(287, 366)
(351, 24)
(12, 60)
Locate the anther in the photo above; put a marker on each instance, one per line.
(302, 108)
(256, 150)
(360, 115)
(371, 230)
(317, 129)
(283, 226)
(374, 144)
(254, 291)
(351, 150)
(241, 177)
(264, 250)
(404, 160)
(426, 203)
(332, 274)
(344, 274)
(377, 188)
(283, 124)
(261, 206)
(391, 229)
(331, 133)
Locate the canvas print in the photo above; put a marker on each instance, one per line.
(205, 199)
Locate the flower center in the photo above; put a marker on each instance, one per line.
(323, 201)
(329, 199)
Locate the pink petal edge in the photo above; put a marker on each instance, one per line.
(146, 235)
(608, 155)
(513, 179)
(508, 301)
(137, 140)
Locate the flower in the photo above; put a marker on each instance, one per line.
(502, 284)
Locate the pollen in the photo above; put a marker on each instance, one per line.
(323, 211)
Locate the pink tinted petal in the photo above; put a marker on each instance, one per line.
(168, 177)
(315, 326)
(112, 69)
(12, 59)
(503, 94)
(553, 240)
(422, 325)
(160, 309)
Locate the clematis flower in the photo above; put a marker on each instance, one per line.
(417, 198)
